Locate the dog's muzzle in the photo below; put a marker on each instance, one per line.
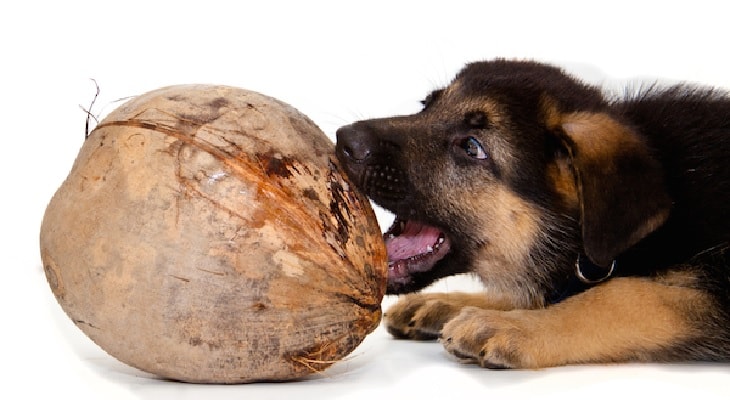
(371, 163)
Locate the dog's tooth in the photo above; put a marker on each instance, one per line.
(429, 249)
(441, 239)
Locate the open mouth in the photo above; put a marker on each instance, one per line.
(413, 247)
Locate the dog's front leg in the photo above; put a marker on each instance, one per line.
(420, 316)
(624, 319)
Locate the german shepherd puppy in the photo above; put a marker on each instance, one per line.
(599, 226)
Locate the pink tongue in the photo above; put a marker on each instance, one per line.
(415, 239)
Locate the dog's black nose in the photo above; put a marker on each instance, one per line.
(354, 144)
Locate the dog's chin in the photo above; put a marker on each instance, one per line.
(416, 251)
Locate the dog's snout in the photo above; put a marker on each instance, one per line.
(354, 144)
(369, 157)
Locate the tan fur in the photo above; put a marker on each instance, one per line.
(495, 111)
(682, 278)
(504, 260)
(617, 321)
(550, 113)
(585, 128)
(561, 177)
(560, 174)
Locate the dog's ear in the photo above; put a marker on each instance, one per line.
(620, 183)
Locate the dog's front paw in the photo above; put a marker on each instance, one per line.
(421, 316)
(493, 339)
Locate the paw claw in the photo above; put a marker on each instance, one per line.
(495, 366)
(463, 357)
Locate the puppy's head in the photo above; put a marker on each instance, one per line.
(510, 172)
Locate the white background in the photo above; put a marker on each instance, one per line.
(336, 62)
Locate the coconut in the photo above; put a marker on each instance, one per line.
(207, 234)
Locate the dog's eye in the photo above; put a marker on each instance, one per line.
(476, 119)
(473, 148)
